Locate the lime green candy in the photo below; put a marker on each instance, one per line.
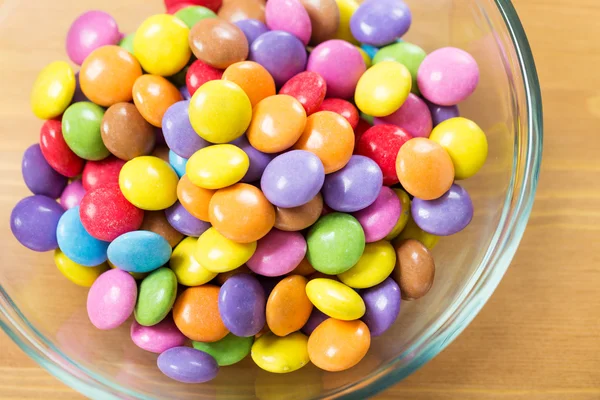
(192, 15)
(156, 297)
(335, 243)
(127, 43)
(405, 53)
(81, 130)
(227, 351)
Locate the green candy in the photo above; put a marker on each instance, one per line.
(156, 297)
(127, 42)
(81, 130)
(192, 15)
(179, 78)
(405, 53)
(227, 351)
(368, 118)
(335, 243)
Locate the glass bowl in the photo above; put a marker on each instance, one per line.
(46, 315)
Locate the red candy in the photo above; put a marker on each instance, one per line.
(199, 73)
(309, 88)
(56, 152)
(98, 173)
(360, 129)
(175, 5)
(382, 143)
(106, 214)
(342, 107)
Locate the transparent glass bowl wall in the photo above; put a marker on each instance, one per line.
(45, 314)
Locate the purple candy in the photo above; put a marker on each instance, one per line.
(354, 187)
(72, 195)
(33, 222)
(184, 222)
(293, 179)
(39, 176)
(188, 365)
(185, 92)
(440, 114)
(178, 131)
(445, 216)
(242, 305)
(380, 218)
(380, 22)
(258, 160)
(90, 31)
(315, 319)
(252, 28)
(78, 96)
(414, 117)
(382, 303)
(281, 53)
(268, 283)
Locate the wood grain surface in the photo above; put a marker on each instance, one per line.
(538, 338)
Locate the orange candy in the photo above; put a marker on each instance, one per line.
(330, 137)
(222, 278)
(108, 74)
(277, 123)
(424, 168)
(241, 213)
(338, 345)
(304, 268)
(196, 314)
(253, 78)
(288, 306)
(153, 95)
(194, 199)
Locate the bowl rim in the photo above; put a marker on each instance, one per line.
(515, 214)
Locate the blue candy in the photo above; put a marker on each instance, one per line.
(76, 243)
(139, 251)
(178, 163)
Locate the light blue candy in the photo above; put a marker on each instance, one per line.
(139, 251)
(370, 50)
(178, 163)
(76, 243)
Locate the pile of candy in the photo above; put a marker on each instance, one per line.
(223, 163)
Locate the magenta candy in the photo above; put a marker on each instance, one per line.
(39, 176)
(72, 195)
(448, 76)
(340, 64)
(111, 299)
(278, 253)
(158, 338)
(289, 16)
(379, 219)
(413, 117)
(89, 31)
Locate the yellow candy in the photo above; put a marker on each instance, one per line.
(376, 96)
(216, 167)
(365, 56)
(220, 111)
(401, 224)
(136, 275)
(347, 9)
(161, 45)
(335, 299)
(373, 267)
(218, 254)
(76, 273)
(466, 143)
(188, 271)
(281, 355)
(53, 90)
(412, 231)
(149, 183)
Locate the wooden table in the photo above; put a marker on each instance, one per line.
(538, 338)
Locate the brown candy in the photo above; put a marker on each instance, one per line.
(237, 10)
(162, 152)
(299, 218)
(156, 221)
(126, 133)
(325, 18)
(218, 43)
(415, 269)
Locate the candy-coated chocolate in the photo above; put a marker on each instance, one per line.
(252, 28)
(339, 345)
(374, 94)
(408, 54)
(111, 299)
(382, 304)
(125, 133)
(375, 265)
(157, 338)
(222, 278)
(342, 107)
(315, 319)
(187, 365)
(413, 117)
(309, 88)
(446, 215)
(153, 95)
(365, 56)
(127, 43)
(281, 53)
(335, 299)
(440, 114)
(199, 73)
(78, 96)
(219, 43)
(289, 16)
(162, 152)
(194, 14)
(238, 10)
(412, 231)
(156, 221)
(335, 243)
(281, 355)
(149, 183)
(161, 45)
(39, 176)
(288, 306)
(184, 222)
(77, 243)
(188, 271)
(72, 195)
(404, 216)
(195, 199)
(424, 168)
(90, 31)
(278, 253)
(258, 160)
(34, 221)
(56, 151)
(380, 22)
(218, 254)
(178, 132)
(156, 297)
(139, 251)
(196, 314)
(330, 137)
(81, 130)
(227, 351)
(242, 305)
(415, 269)
(53, 90)
(299, 218)
(107, 75)
(178, 163)
(176, 5)
(361, 128)
(136, 275)
(218, 166)
(99, 173)
(347, 8)
(253, 78)
(77, 273)
(324, 18)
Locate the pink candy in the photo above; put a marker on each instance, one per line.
(91, 30)
(111, 299)
(158, 338)
(379, 218)
(414, 117)
(278, 253)
(72, 195)
(289, 16)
